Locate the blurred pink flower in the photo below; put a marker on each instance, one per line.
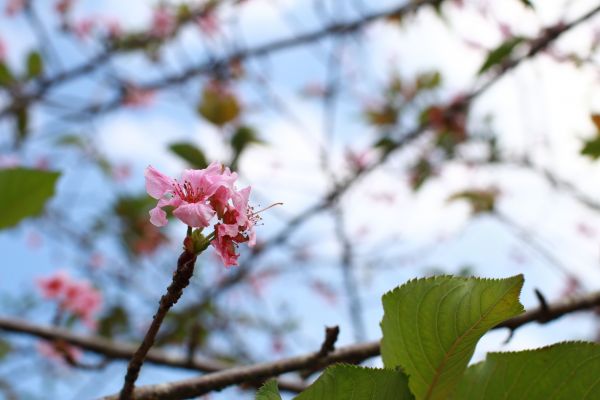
(137, 97)
(9, 161)
(63, 6)
(121, 172)
(97, 260)
(359, 160)
(59, 351)
(163, 23)
(83, 28)
(53, 286)
(2, 50)
(113, 27)
(208, 23)
(77, 297)
(13, 7)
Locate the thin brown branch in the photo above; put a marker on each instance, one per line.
(354, 354)
(123, 351)
(181, 279)
(221, 65)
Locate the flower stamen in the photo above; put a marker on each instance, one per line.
(187, 192)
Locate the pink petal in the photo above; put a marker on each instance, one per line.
(158, 217)
(196, 215)
(225, 249)
(251, 238)
(228, 230)
(157, 184)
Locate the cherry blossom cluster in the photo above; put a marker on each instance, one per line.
(201, 197)
(77, 297)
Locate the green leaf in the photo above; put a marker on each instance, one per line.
(190, 153)
(386, 145)
(242, 137)
(71, 140)
(431, 327)
(5, 348)
(591, 148)
(23, 193)
(527, 3)
(481, 201)
(501, 53)
(428, 80)
(563, 371)
(115, 321)
(35, 64)
(6, 77)
(218, 105)
(342, 382)
(268, 391)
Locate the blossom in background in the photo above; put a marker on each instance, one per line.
(359, 160)
(208, 23)
(59, 351)
(113, 27)
(63, 6)
(78, 297)
(163, 23)
(9, 161)
(201, 196)
(84, 27)
(14, 7)
(137, 97)
(2, 50)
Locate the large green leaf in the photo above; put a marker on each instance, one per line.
(431, 327)
(343, 382)
(268, 391)
(23, 193)
(563, 371)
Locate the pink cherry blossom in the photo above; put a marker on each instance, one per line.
(201, 196)
(237, 227)
(190, 197)
(163, 23)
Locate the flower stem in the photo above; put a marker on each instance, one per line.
(181, 279)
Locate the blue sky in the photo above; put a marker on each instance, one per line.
(541, 109)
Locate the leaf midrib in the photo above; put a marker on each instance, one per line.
(438, 370)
